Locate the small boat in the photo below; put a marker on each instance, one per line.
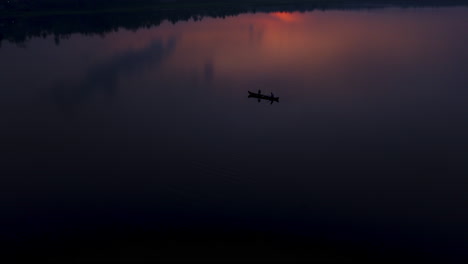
(261, 96)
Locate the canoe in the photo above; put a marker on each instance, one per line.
(259, 96)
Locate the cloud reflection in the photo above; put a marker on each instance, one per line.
(209, 71)
(104, 78)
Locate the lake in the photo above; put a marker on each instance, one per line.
(146, 133)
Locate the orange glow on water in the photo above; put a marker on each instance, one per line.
(309, 48)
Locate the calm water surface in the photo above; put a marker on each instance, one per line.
(153, 129)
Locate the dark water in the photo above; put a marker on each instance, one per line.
(135, 134)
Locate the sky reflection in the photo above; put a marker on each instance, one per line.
(369, 135)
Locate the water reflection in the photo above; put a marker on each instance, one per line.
(104, 77)
(368, 144)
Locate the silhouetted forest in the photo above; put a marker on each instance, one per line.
(21, 20)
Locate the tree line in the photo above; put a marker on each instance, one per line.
(18, 28)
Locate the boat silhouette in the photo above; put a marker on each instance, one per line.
(261, 96)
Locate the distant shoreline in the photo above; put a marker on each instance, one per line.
(20, 25)
(28, 8)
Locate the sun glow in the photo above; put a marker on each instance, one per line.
(286, 16)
